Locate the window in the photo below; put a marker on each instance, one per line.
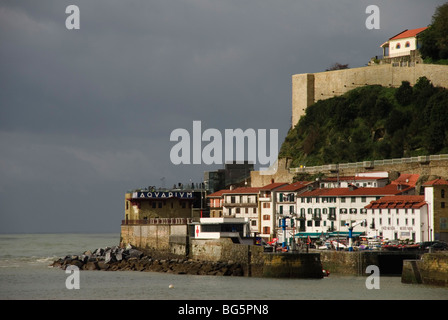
(398, 46)
(237, 210)
(160, 204)
(342, 199)
(353, 199)
(254, 210)
(407, 44)
(253, 223)
(442, 204)
(266, 230)
(442, 193)
(153, 204)
(309, 223)
(363, 199)
(266, 217)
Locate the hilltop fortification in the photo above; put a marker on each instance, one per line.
(307, 88)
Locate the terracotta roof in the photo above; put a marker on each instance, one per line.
(436, 182)
(295, 186)
(407, 178)
(408, 33)
(273, 186)
(217, 193)
(398, 202)
(243, 190)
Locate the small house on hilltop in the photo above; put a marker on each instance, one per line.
(403, 43)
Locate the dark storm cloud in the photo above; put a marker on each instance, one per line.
(87, 114)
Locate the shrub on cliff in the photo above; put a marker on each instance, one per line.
(370, 123)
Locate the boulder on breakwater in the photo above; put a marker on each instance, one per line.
(131, 259)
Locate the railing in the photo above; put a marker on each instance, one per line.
(240, 204)
(369, 164)
(157, 221)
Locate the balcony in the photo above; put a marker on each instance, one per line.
(240, 204)
(153, 221)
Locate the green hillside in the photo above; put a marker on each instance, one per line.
(370, 123)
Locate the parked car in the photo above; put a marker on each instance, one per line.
(435, 245)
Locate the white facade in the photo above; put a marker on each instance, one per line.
(242, 203)
(402, 47)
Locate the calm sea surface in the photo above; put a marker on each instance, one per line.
(25, 274)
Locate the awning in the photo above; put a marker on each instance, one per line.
(317, 235)
(314, 235)
(344, 234)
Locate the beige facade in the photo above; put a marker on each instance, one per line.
(145, 209)
(436, 194)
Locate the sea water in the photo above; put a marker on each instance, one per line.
(25, 274)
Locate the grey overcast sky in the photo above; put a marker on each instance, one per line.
(87, 114)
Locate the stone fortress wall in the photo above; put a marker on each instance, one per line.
(308, 88)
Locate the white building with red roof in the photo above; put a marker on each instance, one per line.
(327, 211)
(403, 43)
(400, 217)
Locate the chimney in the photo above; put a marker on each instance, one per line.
(231, 187)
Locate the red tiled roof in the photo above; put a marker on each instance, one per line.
(273, 185)
(295, 186)
(413, 202)
(407, 178)
(243, 190)
(436, 182)
(408, 33)
(217, 193)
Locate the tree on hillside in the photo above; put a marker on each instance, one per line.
(337, 66)
(435, 38)
(404, 93)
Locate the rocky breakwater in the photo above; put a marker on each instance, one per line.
(132, 259)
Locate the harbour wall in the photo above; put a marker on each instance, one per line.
(356, 262)
(415, 267)
(252, 258)
(431, 269)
